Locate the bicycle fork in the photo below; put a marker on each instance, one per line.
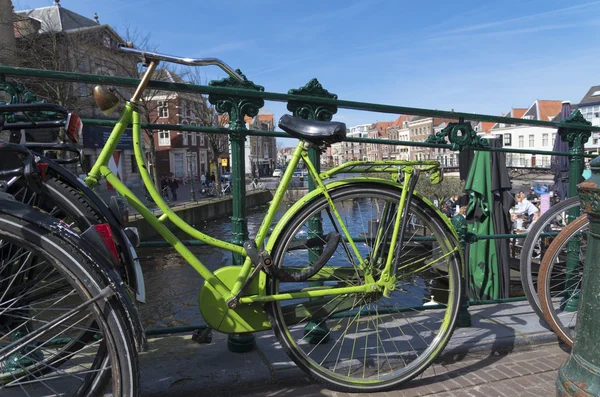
(388, 276)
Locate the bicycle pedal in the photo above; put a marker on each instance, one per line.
(202, 336)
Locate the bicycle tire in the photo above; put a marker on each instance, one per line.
(413, 293)
(96, 351)
(67, 203)
(528, 272)
(551, 295)
(59, 200)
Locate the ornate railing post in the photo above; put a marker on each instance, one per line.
(576, 138)
(237, 107)
(315, 331)
(462, 137)
(464, 237)
(580, 375)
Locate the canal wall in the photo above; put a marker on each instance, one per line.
(196, 213)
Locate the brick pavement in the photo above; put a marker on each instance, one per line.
(527, 373)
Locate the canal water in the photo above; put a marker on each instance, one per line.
(172, 285)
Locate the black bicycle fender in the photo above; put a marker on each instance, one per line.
(103, 209)
(96, 258)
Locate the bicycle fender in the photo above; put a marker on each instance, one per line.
(130, 256)
(95, 256)
(293, 210)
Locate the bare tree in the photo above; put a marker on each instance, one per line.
(88, 49)
(449, 187)
(218, 144)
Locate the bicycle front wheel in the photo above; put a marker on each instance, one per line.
(62, 331)
(536, 244)
(364, 341)
(560, 278)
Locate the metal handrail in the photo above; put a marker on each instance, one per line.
(278, 97)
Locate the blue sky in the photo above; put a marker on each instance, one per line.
(473, 56)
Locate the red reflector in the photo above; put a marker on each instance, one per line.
(42, 167)
(104, 230)
(74, 127)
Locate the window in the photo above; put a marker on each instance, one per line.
(178, 165)
(185, 138)
(553, 137)
(544, 139)
(163, 109)
(201, 139)
(194, 143)
(164, 138)
(134, 167)
(531, 140)
(521, 141)
(183, 109)
(507, 139)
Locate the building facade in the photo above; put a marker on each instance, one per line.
(182, 154)
(589, 106)
(74, 43)
(261, 151)
(345, 151)
(529, 137)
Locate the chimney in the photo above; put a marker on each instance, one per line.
(565, 111)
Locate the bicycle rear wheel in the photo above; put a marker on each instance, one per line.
(560, 278)
(535, 245)
(62, 330)
(365, 341)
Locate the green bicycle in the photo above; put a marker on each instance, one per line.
(360, 279)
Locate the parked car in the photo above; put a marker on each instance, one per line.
(277, 172)
(298, 175)
(226, 177)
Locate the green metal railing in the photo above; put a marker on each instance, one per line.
(312, 101)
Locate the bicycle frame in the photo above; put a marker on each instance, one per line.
(131, 116)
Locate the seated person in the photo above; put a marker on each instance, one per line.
(532, 195)
(525, 206)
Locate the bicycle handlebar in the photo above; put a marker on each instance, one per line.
(182, 61)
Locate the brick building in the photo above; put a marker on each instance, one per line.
(183, 154)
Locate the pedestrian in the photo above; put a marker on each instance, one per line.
(174, 185)
(164, 185)
(213, 178)
(532, 196)
(203, 179)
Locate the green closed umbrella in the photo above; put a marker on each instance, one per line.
(488, 273)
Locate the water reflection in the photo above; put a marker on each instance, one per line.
(172, 285)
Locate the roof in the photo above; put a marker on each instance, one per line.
(486, 125)
(167, 75)
(399, 122)
(382, 128)
(57, 19)
(590, 98)
(266, 117)
(543, 110)
(516, 112)
(547, 110)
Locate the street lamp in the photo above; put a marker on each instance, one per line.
(192, 190)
